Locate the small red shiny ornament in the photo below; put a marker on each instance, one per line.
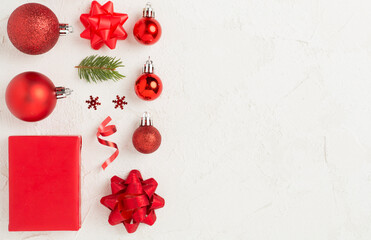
(34, 29)
(148, 86)
(146, 138)
(147, 30)
(32, 96)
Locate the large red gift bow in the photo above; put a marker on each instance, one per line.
(133, 201)
(103, 26)
(105, 131)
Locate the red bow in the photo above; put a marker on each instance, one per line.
(103, 26)
(133, 201)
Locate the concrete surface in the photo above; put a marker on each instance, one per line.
(265, 118)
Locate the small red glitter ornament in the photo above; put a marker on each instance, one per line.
(147, 30)
(34, 29)
(148, 86)
(32, 96)
(146, 138)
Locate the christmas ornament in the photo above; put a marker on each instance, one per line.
(148, 86)
(105, 131)
(103, 26)
(133, 201)
(147, 30)
(32, 96)
(93, 102)
(99, 68)
(120, 102)
(146, 138)
(34, 29)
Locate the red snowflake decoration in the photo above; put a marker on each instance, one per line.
(93, 102)
(120, 102)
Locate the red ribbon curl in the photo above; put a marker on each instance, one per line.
(133, 201)
(105, 131)
(103, 26)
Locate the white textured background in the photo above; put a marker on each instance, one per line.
(265, 118)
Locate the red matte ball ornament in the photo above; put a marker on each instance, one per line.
(148, 86)
(34, 29)
(32, 96)
(147, 30)
(146, 138)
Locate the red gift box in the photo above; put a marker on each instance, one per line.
(44, 183)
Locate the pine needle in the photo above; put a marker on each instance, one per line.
(100, 68)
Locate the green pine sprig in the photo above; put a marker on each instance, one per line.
(100, 68)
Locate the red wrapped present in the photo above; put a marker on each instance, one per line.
(44, 183)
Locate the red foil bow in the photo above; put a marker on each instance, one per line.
(105, 131)
(103, 26)
(133, 201)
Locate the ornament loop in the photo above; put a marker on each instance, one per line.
(62, 92)
(148, 11)
(146, 119)
(148, 66)
(65, 29)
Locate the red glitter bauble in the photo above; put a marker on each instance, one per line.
(33, 28)
(148, 86)
(31, 96)
(146, 139)
(147, 30)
